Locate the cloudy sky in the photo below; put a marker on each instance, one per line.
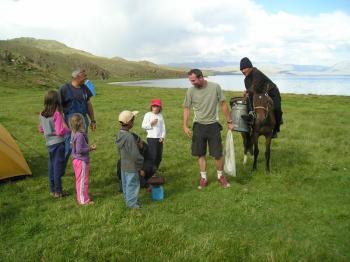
(164, 31)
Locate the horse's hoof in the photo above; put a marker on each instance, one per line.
(245, 160)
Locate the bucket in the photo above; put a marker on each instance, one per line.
(239, 108)
(157, 193)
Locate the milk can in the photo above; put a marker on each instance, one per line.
(239, 108)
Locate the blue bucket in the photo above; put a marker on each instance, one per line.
(157, 193)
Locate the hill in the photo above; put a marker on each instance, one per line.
(31, 61)
(232, 67)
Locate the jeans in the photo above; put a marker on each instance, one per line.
(131, 187)
(56, 167)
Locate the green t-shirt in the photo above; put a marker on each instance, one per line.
(205, 102)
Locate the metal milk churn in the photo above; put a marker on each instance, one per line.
(239, 108)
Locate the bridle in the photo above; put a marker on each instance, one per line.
(266, 109)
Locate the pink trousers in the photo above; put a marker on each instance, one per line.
(81, 170)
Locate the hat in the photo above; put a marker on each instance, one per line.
(245, 63)
(126, 116)
(156, 102)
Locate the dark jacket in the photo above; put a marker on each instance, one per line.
(131, 159)
(258, 82)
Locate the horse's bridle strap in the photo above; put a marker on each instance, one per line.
(260, 107)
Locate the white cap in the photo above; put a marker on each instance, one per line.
(126, 116)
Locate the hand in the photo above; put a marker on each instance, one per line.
(230, 126)
(161, 140)
(93, 147)
(187, 131)
(93, 126)
(154, 122)
(245, 93)
(142, 173)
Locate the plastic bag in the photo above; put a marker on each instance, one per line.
(230, 162)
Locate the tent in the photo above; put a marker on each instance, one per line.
(12, 162)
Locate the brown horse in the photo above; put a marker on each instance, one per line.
(264, 123)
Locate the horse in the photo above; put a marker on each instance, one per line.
(264, 122)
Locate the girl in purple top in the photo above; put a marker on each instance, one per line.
(80, 156)
(54, 128)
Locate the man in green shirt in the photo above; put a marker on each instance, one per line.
(205, 98)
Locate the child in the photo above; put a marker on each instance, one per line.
(147, 170)
(80, 155)
(131, 159)
(153, 122)
(54, 129)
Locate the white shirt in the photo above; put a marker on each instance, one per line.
(156, 131)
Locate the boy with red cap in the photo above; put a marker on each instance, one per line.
(153, 123)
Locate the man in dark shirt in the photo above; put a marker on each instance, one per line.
(75, 98)
(256, 81)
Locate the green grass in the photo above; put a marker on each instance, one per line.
(301, 212)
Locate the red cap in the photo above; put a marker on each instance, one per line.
(156, 102)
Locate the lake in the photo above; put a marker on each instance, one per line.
(319, 85)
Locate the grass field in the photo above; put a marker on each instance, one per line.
(301, 212)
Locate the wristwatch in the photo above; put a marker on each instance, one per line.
(229, 122)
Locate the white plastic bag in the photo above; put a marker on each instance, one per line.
(230, 162)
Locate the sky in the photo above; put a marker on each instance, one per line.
(300, 32)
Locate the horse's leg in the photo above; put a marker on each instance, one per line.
(244, 138)
(267, 154)
(247, 145)
(256, 151)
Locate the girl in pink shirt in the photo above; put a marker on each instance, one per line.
(53, 127)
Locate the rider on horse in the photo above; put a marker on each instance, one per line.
(257, 82)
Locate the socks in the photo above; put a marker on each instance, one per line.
(219, 173)
(204, 175)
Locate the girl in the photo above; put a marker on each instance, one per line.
(80, 156)
(54, 129)
(153, 122)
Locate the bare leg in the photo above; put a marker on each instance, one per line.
(219, 163)
(202, 163)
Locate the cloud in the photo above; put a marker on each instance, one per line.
(182, 30)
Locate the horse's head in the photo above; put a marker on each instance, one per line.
(262, 106)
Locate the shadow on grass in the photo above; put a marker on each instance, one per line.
(38, 164)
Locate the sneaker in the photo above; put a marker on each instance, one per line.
(222, 180)
(88, 203)
(202, 183)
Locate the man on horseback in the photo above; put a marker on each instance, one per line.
(257, 82)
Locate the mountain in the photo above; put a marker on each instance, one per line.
(40, 62)
(224, 67)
